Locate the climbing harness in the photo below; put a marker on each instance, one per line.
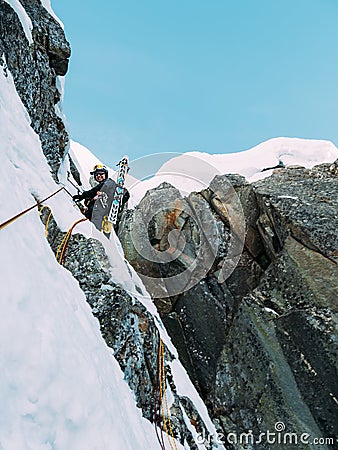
(163, 400)
(61, 251)
(17, 216)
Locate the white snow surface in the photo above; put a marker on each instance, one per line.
(60, 84)
(24, 18)
(60, 386)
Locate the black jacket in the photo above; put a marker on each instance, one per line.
(91, 193)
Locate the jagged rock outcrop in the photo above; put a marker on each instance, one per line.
(280, 351)
(178, 304)
(35, 68)
(259, 345)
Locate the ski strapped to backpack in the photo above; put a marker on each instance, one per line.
(111, 220)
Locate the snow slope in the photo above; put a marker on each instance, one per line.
(60, 386)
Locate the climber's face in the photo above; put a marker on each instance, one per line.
(100, 176)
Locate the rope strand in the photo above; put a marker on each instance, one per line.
(48, 218)
(61, 251)
(155, 403)
(167, 425)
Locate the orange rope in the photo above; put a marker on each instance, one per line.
(163, 394)
(61, 251)
(161, 442)
(48, 217)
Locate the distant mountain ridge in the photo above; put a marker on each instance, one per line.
(195, 170)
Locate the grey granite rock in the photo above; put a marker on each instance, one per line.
(34, 69)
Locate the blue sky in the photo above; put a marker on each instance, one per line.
(215, 76)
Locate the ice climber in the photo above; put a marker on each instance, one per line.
(99, 198)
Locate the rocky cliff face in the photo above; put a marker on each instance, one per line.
(260, 344)
(35, 68)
